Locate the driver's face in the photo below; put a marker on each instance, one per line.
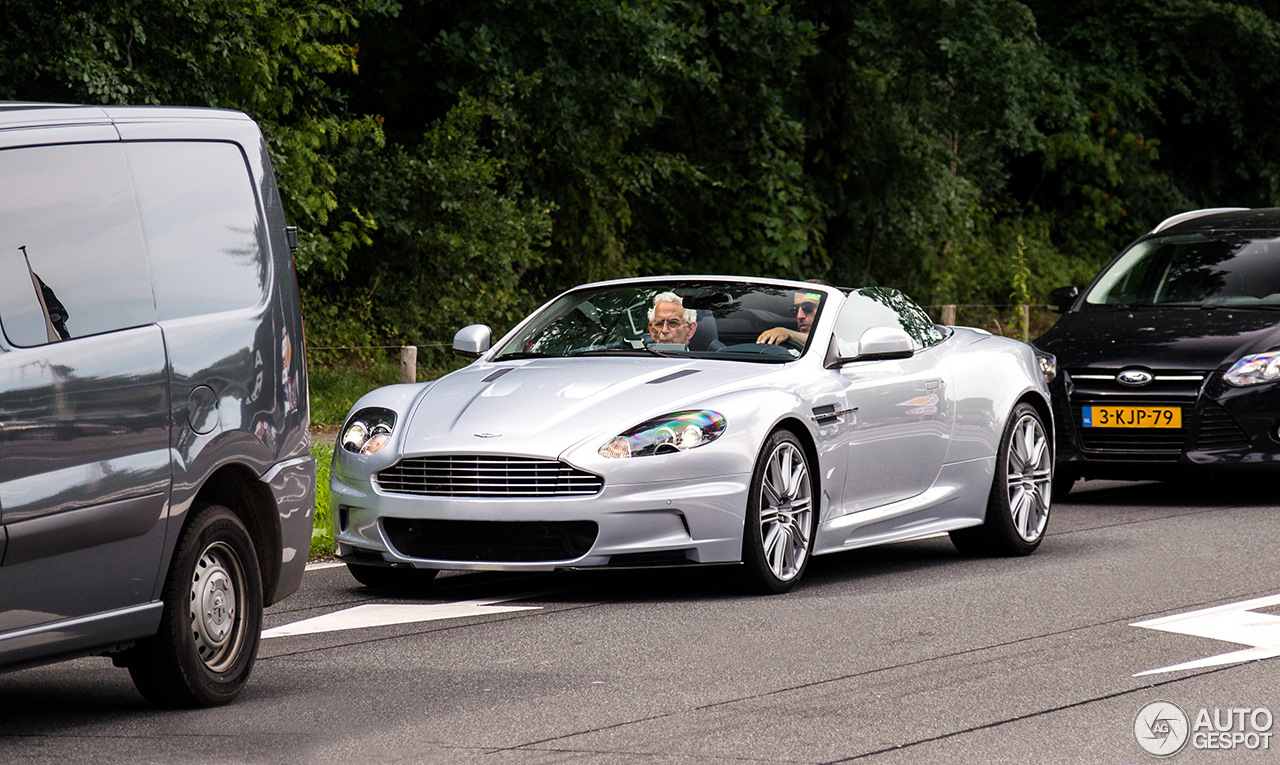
(669, 326)
(805, 307)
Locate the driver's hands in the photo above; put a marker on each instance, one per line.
(780, 335)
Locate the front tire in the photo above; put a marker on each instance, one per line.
(1063, 480)
(1018, 506)
(212, 617)
(777, 539)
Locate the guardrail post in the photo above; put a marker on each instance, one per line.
(949, 315)
(408, 363)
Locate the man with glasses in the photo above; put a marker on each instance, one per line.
(670, 323)
(804, 306)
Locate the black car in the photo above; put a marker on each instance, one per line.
(1169, 361)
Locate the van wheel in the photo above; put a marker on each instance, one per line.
(388, 578)
(212, 617)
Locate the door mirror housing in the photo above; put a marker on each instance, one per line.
(885, 343)
(876, 344)
(472, 340)
(1061, 298)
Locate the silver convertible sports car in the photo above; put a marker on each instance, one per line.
(685, 421)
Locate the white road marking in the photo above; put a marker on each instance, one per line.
(324, 565)
(383, 614)
(1232, 623)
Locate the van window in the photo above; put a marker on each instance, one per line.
(72, 261)
(200, 217)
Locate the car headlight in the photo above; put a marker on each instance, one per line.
(368, 430)
(670, 433)
(1254, 369)
(1048, 365)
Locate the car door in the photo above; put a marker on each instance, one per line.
(84, 409)
(902, 408)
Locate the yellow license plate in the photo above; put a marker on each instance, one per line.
(1132, 417)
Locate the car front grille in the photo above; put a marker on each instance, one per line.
(1170, 388)
(491, 541)
(487, 476)
(1214, 428)
(1135, 443)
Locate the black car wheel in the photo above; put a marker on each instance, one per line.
(212, 617)
(1063, 480)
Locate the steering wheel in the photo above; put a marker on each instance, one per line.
(793, 344)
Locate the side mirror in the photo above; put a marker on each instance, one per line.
(885, 343)
(473, 340)
(876, 343)
(1061, 298)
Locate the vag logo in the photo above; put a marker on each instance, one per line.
(1134, 377)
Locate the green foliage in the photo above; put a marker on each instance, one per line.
(338, 379)
(460, 161)
(455, 237)
(322, 528)
(269, 58)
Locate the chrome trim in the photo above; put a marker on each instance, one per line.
(1154, 378)
(833, 414)
(1191, 215)
(486, 476)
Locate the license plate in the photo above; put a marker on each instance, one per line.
(1132, 417)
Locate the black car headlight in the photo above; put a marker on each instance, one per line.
(368, 430)
(1254, 369)
(670, 433)
(1048, 365)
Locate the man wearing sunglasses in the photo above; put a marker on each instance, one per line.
(670, 322)
(804, 307)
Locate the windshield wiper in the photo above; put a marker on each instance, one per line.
(642, 350)
(523, 355)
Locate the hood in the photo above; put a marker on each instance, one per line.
(1169, 338)
(541, 407)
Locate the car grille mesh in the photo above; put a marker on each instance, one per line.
(1218, 431)
(1155, 444)
(491, 541)
(487, 476)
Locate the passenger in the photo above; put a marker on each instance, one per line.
(670, 322)
(804, 306)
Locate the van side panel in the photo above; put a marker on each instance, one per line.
(233, 330)
(84, 439)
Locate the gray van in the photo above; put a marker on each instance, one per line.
(156, 484)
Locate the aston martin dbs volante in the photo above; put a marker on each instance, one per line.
(1170, 358)
(685, 421)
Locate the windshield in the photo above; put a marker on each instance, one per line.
(1229, 268)
(732, 320)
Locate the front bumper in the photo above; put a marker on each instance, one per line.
(686, 520)
(293, 486)
(1224, 428)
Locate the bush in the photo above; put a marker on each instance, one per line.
(322, 531)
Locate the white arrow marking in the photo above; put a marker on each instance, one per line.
(383, 614)
(1232, 623)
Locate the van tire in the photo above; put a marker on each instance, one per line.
(212, 618)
